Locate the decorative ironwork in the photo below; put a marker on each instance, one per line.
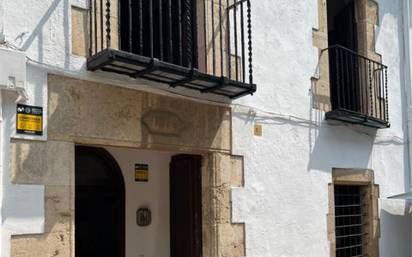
(108, 30)
(359, 88)
(158, 40)
(249, 26)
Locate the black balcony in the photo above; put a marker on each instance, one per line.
(204, 45)
(359, 89)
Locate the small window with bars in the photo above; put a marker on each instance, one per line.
(349, 221)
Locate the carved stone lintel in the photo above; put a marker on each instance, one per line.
(163, 123)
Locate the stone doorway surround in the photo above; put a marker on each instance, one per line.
(370, 196)
(88, 113)
(367, 17)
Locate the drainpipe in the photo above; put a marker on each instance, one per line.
(408, 85)
(407, 81)
(2, 41)
(1, 170)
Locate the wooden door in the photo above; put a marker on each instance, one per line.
(186, 206)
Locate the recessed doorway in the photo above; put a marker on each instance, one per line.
(108, 196)
(99, 204)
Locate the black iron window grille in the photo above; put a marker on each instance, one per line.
(349, 222)
(205, 45)
(359, 88)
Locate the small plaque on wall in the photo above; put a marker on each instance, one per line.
(258, 130)
(141, 172)
(143, 217)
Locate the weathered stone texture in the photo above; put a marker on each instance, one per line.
(351, 176)
(59, 206)
(42, 163)
(113, 115)
(80, 30)
(222, 237)
(80, 24)
(232, 240)
(57, 241)
(45, 245)
(97, 114)
(321, 88)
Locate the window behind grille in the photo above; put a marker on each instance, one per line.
(349, 221)
(162, 29)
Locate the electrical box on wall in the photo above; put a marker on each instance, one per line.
(12, 69)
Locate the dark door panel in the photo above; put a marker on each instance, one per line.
(186, 206)
(344, 64)
(99, 204)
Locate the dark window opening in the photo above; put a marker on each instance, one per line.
(349, 221)
(342, 32)
(342, 29)
(358, 84)
(162, 29)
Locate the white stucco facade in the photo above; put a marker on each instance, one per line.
(287, 170)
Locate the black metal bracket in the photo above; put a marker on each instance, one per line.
(167, 73)
(223, 81)
(152, 67)
(193, 74)
(357, 119)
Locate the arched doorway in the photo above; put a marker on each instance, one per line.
(99, 204)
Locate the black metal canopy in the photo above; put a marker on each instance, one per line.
(356, 118)
(136, 66)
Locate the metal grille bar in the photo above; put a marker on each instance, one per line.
(169, 31)
(358, 84)
(348, 221)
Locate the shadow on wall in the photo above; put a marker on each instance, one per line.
(340, 146)
(395, 229)
(392, 12)
(40, 26)
(335, 144)
(355, 145)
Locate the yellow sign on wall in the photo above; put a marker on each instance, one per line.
(29, 120)
(258, 130)
(141, 172)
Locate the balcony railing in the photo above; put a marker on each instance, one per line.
(205, 45)
(359, 88)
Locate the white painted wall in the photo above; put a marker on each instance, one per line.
(22, 206)
(154, 240)
(22, 209)
(285, 200)
(1, 21)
